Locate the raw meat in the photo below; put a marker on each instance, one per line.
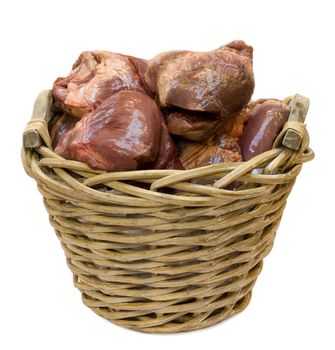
(219, 81)
(191, 125)
(123, 133)
(194, 155)
(61, 127)
(168, 152)
(234, 125)
(266, 119)
(95, 76)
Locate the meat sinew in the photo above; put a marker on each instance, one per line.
(219, 81)
(234, 125)
(266, 119)
(224, 150)
(95, 76)
(123, 133)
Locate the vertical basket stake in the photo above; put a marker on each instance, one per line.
(36, 130)
(299, 108)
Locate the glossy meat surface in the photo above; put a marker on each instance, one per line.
(266, 119)
(219, 81)
(95, 76)
(123, 133)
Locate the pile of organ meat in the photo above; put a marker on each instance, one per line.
(179, 110)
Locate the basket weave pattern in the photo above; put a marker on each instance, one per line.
(175, 257)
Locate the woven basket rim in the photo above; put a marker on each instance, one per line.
(225, 173)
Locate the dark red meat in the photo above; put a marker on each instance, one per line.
(175, 164)
(219, 81)
(168, 151)
(62, 126)
(123, 133)
(266, 119)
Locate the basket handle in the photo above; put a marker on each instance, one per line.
(298, 110)
(36, 132)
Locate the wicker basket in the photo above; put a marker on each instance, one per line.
(177, 257)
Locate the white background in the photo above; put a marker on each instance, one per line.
(293, 301)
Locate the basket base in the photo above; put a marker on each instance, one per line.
(182, 324)
(173, 315)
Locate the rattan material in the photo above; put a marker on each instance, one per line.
(177, 257)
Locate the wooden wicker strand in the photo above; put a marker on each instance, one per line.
(177, 256)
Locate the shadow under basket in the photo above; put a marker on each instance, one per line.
(153, 250)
